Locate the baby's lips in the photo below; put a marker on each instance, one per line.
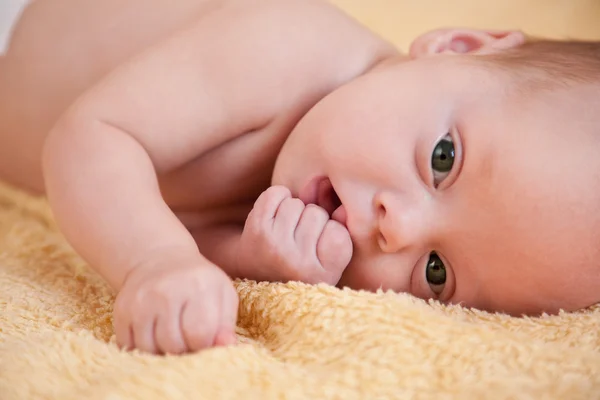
(309, 193)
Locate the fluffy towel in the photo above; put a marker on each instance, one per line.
(296, 341)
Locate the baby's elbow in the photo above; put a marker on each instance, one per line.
(58, 142)
(66, 145)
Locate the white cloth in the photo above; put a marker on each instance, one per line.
(10, 12)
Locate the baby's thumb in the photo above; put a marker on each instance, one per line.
(334, 250)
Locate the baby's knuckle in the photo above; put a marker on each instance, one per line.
(140, 297)
(253, 228)
(123, 298)
(164, 288)
(296, 203)
(195, 284)
(203, 281)
(262, 198)
(315, 210)
(315, 214)
(160, 295)
(121, 311)
(278, 191)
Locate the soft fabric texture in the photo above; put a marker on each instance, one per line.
(296, 341)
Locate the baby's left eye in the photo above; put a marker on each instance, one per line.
(442, 159)
(435, 273)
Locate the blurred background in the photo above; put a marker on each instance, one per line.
(400, 21)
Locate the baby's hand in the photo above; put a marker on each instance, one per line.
(286, 240)
(176, 309)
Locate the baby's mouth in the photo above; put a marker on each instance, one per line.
(327, 198)
(321, 192)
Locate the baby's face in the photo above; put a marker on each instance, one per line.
(455, 187)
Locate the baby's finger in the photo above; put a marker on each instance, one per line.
(124, 333)
(143, 334)
(122, 323)
(334, 250)
(199, 323)
(287, 218)
(229, 310)
(167, 334)
(268, 202)
(309, 229)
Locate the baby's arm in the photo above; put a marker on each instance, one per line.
(100, 166)
(152, 115)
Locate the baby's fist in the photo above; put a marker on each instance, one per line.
(285, 240)
(176, 307)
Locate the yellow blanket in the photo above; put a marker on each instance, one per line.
(296, 341)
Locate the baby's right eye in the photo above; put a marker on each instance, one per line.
(442, 159)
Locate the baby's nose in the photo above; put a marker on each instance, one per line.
(400, 222)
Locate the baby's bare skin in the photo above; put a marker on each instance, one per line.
(153, 171)
(59, 49)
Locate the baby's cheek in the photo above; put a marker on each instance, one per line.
(365, 274)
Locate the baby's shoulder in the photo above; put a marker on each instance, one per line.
(317, 29)
(301, 50)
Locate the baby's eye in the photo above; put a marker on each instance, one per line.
(442, 159)
(435, 273)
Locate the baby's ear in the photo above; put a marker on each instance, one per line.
(460, 41)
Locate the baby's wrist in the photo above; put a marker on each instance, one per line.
(161, 260)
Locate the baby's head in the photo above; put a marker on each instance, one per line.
(468, 171)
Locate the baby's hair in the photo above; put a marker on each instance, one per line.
(551, 63)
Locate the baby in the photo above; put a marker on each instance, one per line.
(185, 144)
